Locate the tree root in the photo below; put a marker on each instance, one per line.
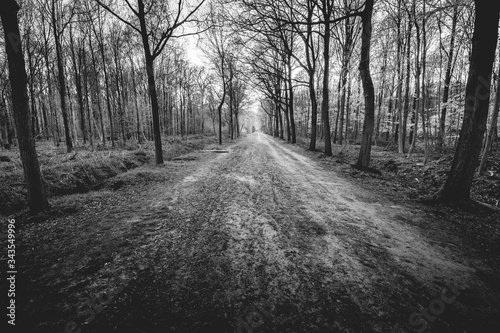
(467, 205)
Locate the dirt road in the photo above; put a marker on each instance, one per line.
(263, 239)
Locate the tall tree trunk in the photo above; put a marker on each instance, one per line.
(311, 70)
(108, 97)
(121, 113)
(356, 124)
(237, 121)
(138, 118)
(406, 109)
(231, 97)
(219, 111)
(458, 184)
(416, 96)
(287, 107)
(6, 130)
(151, 85)
(344, 72)
(390, 115)
(314, 112)
(369, 91)
(342, 104)
(493, 127)
(347, 111)
(62, 80)
(399, 105)
(336, 129)
(37, 196)
(325, 103)
(290, 98)
(53, 124)
(447, 79)
(96, 92)
(280, 117)
(34, 116)
(87, 97)
(8, 124)
(155, 110)
(277, 124)
(424, 93)
(43, 106)
(212, 116)
(221, 103)
(78, 83)
(74, 131)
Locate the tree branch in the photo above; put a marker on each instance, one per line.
(118, 16)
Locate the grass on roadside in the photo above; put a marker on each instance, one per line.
(84, 169)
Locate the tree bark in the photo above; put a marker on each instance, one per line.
(346, 53)
(311, 70)
(424, 93)
(287, 109)
(78, 83)
(34, 126)
(399, 103)
(447, 79)
(96, 91)
(155, 110)
(231, 97)
(90, 116)
(138, 118)
(290, 98)
(151, 85)
(416, 96)
(325, 103)
(347, 111)
(280, 117)
(368, 89)
(406, 108)
(119, 93)
(108, 98)
(37, 196)
(62, 80)
(493, 126)
(459, 182)
(221, 103)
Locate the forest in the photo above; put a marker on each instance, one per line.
(148, 118)
(106, 74)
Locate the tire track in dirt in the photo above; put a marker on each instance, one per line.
(264, 223)
(386, 263)
(375, 216)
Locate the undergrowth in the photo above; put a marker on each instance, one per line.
(82, 170)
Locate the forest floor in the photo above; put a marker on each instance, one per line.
(262, 236)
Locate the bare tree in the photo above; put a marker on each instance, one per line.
(57, 11)
(493, 127)
(369, 91)
(156, 22)
(458, 184)
(37, 197)
(311, 52)
(219, 54)
(346, 35)
(447, 79)
(326, 8)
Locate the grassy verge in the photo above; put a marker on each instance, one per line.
(83, 170)
(408, 177)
